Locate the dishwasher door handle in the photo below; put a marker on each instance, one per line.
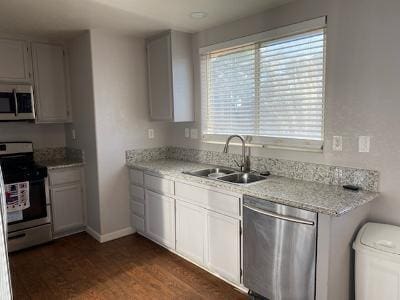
(278, 216)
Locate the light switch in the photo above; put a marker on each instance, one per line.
(193, 133)
(187, 133)
(363, 143)
(151, 133)
(337, 143)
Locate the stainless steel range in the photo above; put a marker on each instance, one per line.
(27, 196)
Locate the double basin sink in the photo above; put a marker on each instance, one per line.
(227, 175)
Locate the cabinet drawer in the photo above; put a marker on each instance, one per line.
(137, 208)
(137, 223)
(159, 185)
(137, 193)
(136, 176)
(216, 201)
(64, 176)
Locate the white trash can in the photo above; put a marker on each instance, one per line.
(377, 264)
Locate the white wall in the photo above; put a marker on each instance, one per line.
(362, 88)
(122, 119)
(42, 136)
(84, 114)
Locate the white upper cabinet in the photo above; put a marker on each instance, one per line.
(14, 61)
(170, 77)
(51, 91)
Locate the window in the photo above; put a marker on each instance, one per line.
(271, 89)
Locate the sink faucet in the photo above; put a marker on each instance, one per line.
(245, 164)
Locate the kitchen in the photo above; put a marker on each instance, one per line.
(133, 126)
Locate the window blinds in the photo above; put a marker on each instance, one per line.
(269, 89)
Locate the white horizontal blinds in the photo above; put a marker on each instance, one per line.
(231, 82)
(271, 88)
(291, 86)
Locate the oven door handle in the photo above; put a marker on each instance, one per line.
(15, 102)
(278, 216)
(18, 236)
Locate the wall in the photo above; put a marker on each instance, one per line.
(42, 136)
(82, 99)
(363, 69)
(122, 120)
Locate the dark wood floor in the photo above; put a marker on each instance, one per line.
(132, 267)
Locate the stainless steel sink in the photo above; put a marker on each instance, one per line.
(242, 178)
(212, 173)
(227, 175)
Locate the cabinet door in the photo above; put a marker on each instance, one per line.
(160, 218)
(190, 231)
(160, 78)
(67, 208)
(14, 60)
(223, 243)
(51, 93)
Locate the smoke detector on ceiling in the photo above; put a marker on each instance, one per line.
(198, 15)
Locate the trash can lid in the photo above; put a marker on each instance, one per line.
(383, 237)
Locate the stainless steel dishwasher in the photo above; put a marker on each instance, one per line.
(279, 250)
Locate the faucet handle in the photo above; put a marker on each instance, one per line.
(240, 165)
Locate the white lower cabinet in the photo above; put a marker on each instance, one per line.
(160, 218)
(67, 200)
(223, 246)
(191, 231)
(199, 223)
(67, 208)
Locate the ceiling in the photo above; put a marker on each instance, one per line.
(62, 19)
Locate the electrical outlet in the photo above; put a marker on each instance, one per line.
(151, 133)
(187, 133)
(363, 144)
(193, 133)
(337, 143)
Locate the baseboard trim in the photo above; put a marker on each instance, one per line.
(93, 233)
(102, 238)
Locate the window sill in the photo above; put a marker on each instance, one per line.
(268, 143)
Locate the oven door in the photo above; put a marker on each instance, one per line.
(39, 211)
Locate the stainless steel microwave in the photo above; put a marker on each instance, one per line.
(16, 102)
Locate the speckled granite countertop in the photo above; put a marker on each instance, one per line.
(322, 198)
(60, 163)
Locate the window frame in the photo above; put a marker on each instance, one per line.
(270, 35)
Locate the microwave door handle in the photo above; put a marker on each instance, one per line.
(15, 102)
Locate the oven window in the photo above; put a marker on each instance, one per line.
(37, 199)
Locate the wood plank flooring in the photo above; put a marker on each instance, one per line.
(78, 267)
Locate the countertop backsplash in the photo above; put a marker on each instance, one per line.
(59, 157)
(335, 175)
(53, 153)
(58, 153)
